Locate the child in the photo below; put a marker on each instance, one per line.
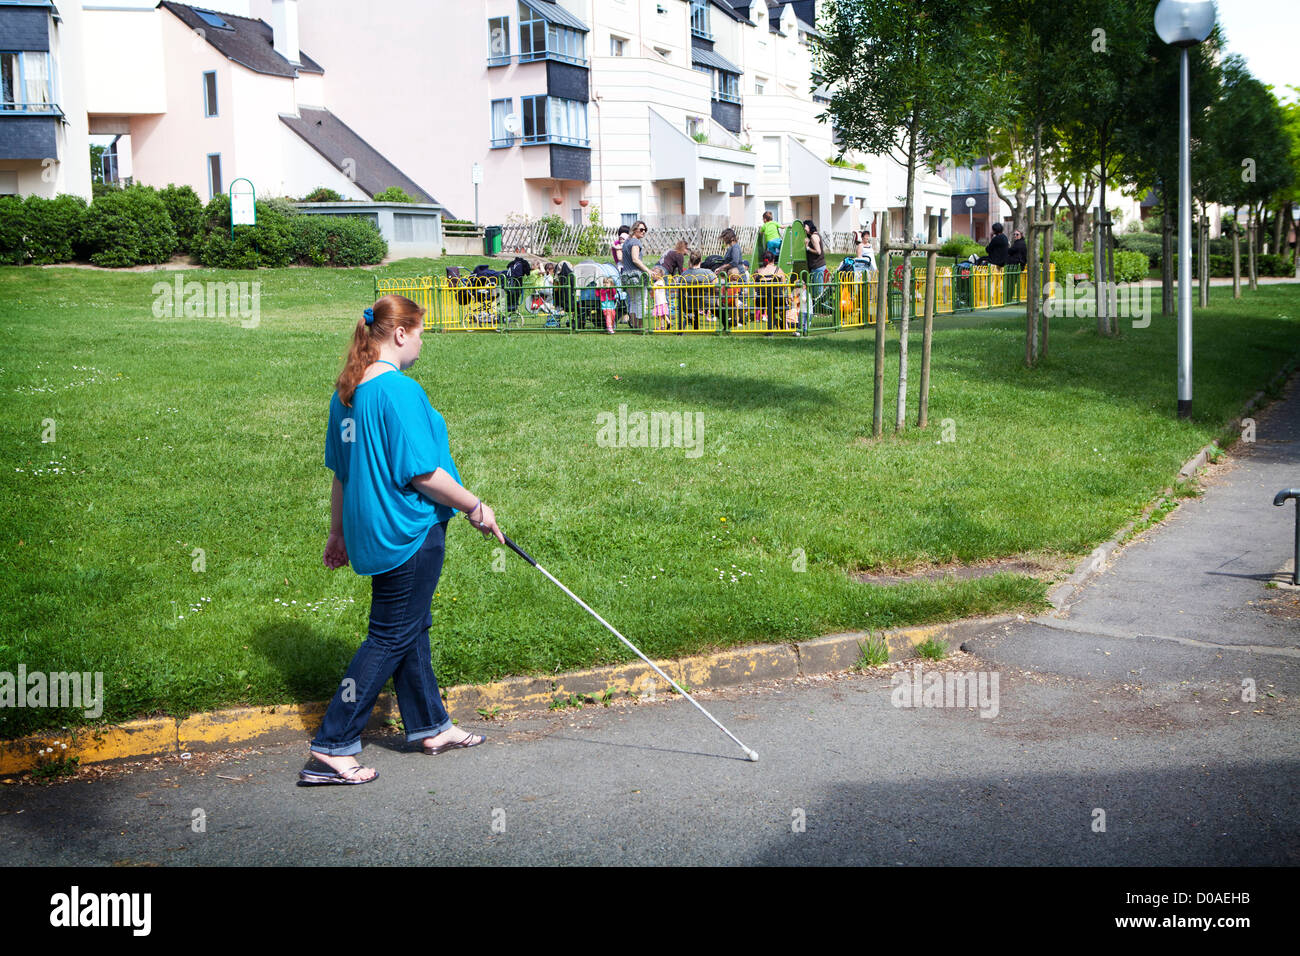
(792, 311)
(732, 299)
(548, 290)
(661, 298)
(608, 296)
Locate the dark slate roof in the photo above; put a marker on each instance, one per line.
(249, 42)
(554, 13)
(731, 11)
(337, 142)
(709, 58)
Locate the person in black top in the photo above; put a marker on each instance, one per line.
(1018, 254)
(998, 247)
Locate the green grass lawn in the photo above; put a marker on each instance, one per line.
(176, 434)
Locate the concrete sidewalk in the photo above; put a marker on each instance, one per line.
(1199, 596)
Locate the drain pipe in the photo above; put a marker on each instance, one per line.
(1278, 501)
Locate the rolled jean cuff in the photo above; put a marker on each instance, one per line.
(415, 735)
(338, 750)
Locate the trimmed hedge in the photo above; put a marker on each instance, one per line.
(337, 241)
(1130, 266)
(283, 237)
(127, 228)
(186, 211)
(40, 230)
(960, 247)
(269, 243)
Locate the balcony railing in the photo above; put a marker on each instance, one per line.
(44, 109)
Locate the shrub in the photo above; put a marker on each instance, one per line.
(128, 227)
(960, 247)
(1130, 266)
(1147, 243)
(186, 211)
(322, 194)
(52, 226)
(589, 243)
(269, 243)
(337, 241)
(13, 228)
(394, 194)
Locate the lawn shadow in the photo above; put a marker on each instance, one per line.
(727, 391)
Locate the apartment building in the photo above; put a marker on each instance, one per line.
(673, 111)
(43, 128)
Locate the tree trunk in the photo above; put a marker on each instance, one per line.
(931, 258)
(1236, 256)
(882, 317)
(1166, 255)
(1207, 272)
(1252, 227)
(900, 416)
(1277, 229)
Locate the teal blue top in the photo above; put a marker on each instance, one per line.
(390, 435)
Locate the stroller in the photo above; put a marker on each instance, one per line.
(587, 277)
(474, 297)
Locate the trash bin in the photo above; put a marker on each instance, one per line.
(492, 240)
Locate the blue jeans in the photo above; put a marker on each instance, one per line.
(396, 646)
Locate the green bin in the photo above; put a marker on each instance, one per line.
(492, 241)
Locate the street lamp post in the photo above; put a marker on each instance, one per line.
(970, 215)
(1184, 23)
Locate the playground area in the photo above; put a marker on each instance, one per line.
(789, 299)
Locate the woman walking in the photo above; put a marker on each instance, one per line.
(395, 489)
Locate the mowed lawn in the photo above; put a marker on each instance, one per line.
(177, 434)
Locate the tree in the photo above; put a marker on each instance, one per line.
(909, 79)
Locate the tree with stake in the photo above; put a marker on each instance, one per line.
(894, 67)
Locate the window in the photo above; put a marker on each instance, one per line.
(664, 52)
(695, 126)
(726, 87)
(617, 46)
(550, 119)
(210, 93)
(213, 20)
(498, 41)
(700, 19)
(771, 154)
(629, 203)
(25, 83)
(214, 175)
(540, 40)
(500, 135)
(760, 83)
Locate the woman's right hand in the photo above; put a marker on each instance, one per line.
(485, 520)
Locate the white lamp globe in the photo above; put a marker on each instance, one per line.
(1184, 22)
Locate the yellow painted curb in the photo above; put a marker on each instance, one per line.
(246, 725)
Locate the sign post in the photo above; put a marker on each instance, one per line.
(243, 205)
(476, 176)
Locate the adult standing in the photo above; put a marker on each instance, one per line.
(674, 260)
(635, 274)
(816, 254)
(1018, 254)
(998, 247)
(395, 488)
(733, 258)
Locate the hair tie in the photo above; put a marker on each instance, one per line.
(370, 316)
